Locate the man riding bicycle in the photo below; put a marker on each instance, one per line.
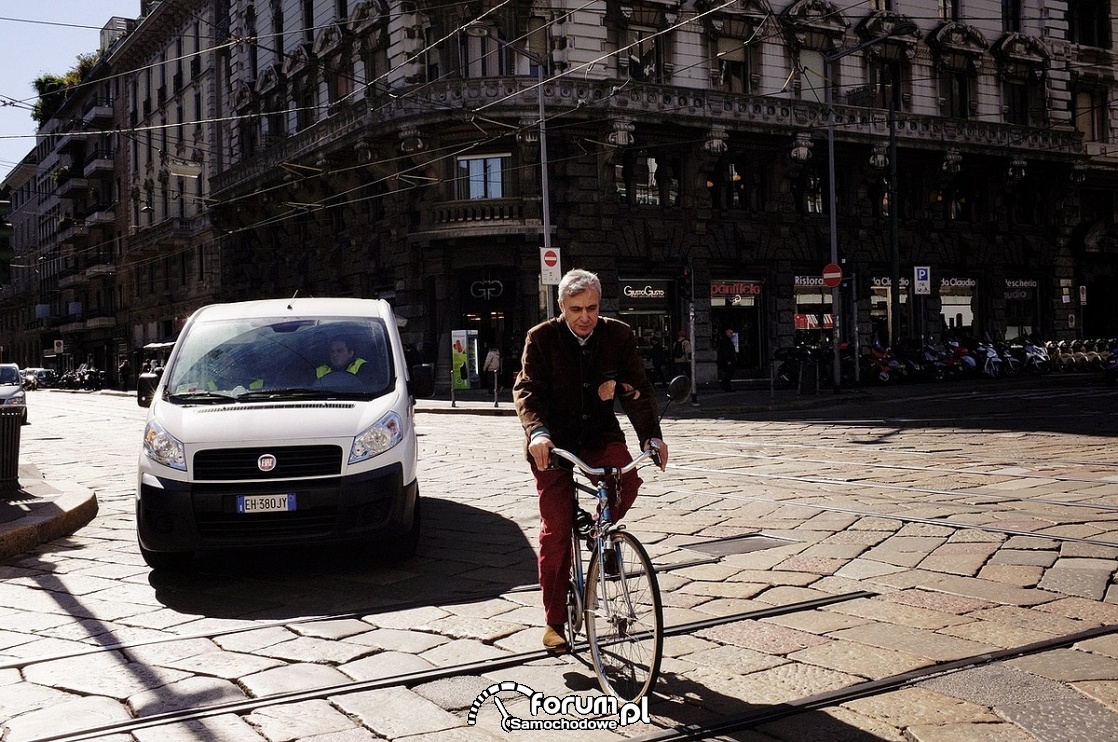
(573, 368)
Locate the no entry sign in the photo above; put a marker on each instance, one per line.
(550, 271)
(832, 275)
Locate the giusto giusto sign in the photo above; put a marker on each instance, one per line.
(650, 291)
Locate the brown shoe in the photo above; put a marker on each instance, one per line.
(553, 639)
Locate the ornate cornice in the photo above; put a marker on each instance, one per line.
(958, 45)
(1020, 56)
(270, 80)
(814, 23)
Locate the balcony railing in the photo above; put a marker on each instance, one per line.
(481, 217)
(97, 110)
(71, 187)
(99, 162)
(101, 214)
(72, 232)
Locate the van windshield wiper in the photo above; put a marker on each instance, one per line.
(202, 396)
(284, 393)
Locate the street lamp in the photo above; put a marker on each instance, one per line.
(479, 30)
(898, 29)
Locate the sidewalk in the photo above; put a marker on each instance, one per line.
(749, 395)
(41, 511)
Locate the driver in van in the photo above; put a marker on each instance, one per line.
(343, 357)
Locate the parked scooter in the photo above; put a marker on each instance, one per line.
(988, 361)
(1110, 365)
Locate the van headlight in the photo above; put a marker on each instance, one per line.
(377, 438)
(164, 448)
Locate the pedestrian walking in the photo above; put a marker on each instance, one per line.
(124, 373)
(726, 359)
(681, 354)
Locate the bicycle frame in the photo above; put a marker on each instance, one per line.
(603, 528)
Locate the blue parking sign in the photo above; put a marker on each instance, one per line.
(923, 282)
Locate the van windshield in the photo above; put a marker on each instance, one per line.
(275, 358)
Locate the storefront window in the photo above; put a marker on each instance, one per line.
(956, 297)
(1020, 308)
(736, 305)
(814, 321)
(884, 325)
(643, 305)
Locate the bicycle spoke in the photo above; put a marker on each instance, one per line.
(624, 621)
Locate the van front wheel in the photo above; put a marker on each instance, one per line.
(402, 546)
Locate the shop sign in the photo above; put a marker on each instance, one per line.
(887, 282)
(1019, 288)
(656, 291)
(957, 283)
(735, 288)
(810, 281)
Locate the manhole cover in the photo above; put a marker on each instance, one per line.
(738, 544)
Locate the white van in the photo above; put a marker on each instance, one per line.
(281, 422)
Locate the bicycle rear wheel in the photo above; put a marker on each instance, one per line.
(625, 620)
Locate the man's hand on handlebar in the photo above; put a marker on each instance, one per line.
(540, 450)
(659, 452)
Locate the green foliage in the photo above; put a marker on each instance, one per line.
(54, 89)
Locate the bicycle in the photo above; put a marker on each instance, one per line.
(618, 595)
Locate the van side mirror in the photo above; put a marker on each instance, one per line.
(421, 383)
(145, 387)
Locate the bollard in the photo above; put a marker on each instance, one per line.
(10, 421)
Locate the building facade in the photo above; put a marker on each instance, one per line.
(393, 150)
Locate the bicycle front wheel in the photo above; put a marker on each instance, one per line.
(625, 620)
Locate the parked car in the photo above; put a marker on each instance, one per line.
(12, 394)
(47, 378)
(38, 378)
(277, 423)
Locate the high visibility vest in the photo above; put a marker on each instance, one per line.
(351, 368)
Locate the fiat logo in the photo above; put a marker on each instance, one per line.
(267, 462)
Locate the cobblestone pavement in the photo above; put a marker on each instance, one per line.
(976, 544)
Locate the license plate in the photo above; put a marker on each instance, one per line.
(266, 503)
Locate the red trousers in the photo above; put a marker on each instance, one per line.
(556, 490)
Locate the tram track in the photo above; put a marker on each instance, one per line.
(751, 719)
(415, 678)
(460, 599)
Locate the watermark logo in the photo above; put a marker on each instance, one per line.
(550, 713)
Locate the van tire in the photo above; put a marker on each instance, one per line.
(167, 561)
(403, 546)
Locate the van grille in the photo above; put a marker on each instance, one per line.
(292, 462)
(264, 527)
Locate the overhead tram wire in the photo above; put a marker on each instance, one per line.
(411, 91)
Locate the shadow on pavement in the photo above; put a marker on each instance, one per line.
(465, 554)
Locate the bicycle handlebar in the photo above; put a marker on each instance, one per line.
(594, 471)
